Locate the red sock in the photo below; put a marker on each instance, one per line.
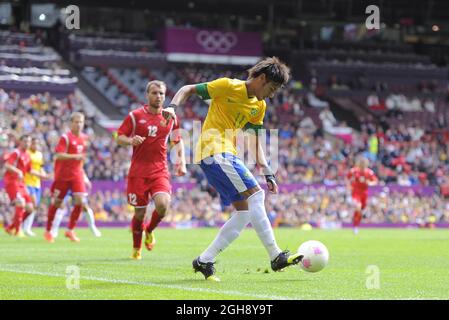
(137, 228)
(18, 218)
(74, 216)
(51, 216)
(357, 218)
(155, 219)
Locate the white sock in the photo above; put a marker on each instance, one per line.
(228, 233)
(260, 222)
(28, 223)
(57, 221)
(90, 219)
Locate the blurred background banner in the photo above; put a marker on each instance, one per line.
(211, 46)
(417, 190)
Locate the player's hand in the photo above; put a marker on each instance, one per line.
(20, 175)
(51, 176)
(88, 184)
(180, 170)
(169, 112)
(271, 183)
(44, 175)
(137, 140)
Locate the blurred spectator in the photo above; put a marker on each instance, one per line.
(331, 125)
(314, 101)
(4, 97)
(429, 105)
(373, 102)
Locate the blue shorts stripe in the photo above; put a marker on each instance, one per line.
(228, 175)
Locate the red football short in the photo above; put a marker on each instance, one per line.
(18, 191)
(59, 188)
(139, 189)
(362, 198)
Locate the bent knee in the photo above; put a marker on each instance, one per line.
(57, 202)
(162, 209)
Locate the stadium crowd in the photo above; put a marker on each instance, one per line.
(408, 155)
(46, 117)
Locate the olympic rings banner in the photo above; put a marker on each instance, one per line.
(215, 46)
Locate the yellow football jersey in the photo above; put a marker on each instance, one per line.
(37, 161)
(230, 110)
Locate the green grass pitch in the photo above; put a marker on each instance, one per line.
(408, 264)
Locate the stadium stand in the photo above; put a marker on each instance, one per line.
(348, 103)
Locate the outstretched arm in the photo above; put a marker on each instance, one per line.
(40, 174)
(10, 167)
(68, 156)
(180, 97)
(183, 94)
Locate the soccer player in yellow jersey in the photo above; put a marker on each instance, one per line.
(237, 105)
(33, 182)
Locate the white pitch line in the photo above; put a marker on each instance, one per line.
(150, 284)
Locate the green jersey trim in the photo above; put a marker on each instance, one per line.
(201, 90)
(254, 127)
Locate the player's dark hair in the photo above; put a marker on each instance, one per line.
(274, 69)
(157, 83)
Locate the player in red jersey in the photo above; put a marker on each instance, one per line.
(17, 164)
(359, 178)
(69, 175)
(148, 132)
